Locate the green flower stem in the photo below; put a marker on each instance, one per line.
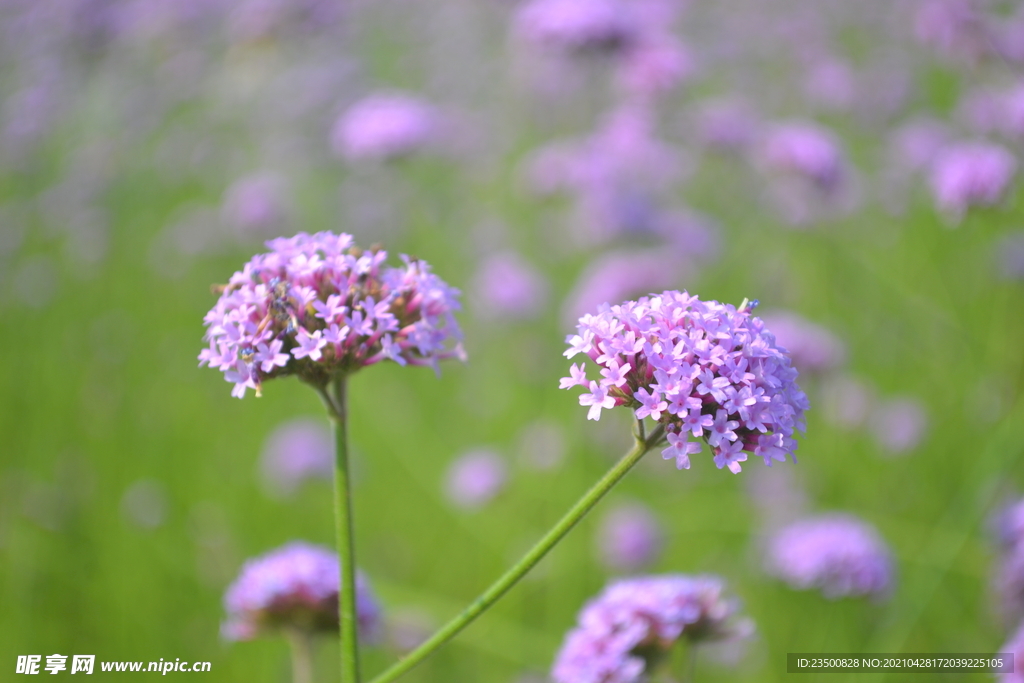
(337, 406)
(528, 561)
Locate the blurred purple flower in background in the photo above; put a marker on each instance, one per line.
(614, 174)
(1009, 36)
(953, 28)
(316, 304)
(811, 347)
(625, 631)
(809, 177)
(914, 144)
(1011, 120)
(577, 25)
(384, 126)
(838, 554)
(257, 204)
(846, 401)
(830, 84)
(725, 125)
(296, 451)
(654, 65)
(294, 587)
(899, 424)
(703, 369)
(980, 111)
(506, 286)
(995, 111)
(620, 275)
(629, 538)
(475, 478)
(970, 174)
(807, 150)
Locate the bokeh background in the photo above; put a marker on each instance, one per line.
(544, 157)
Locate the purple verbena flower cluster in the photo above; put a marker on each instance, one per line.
(838, 554)
(316, 305)
(701, 369)
(294, 586)
(625, 630)
(971, 174)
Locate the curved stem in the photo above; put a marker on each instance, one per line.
(528, 561)
(343, 524)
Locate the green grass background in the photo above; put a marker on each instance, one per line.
(100, 389)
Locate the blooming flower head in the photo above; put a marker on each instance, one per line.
(837, 554)
(475, 478)
(624, 631)
(970, 174)
(384, 126)
(704, 370)
(315, 305)
(296, 587)
(629, 538)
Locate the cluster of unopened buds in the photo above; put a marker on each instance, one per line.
(704, 370)
(316, 305)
